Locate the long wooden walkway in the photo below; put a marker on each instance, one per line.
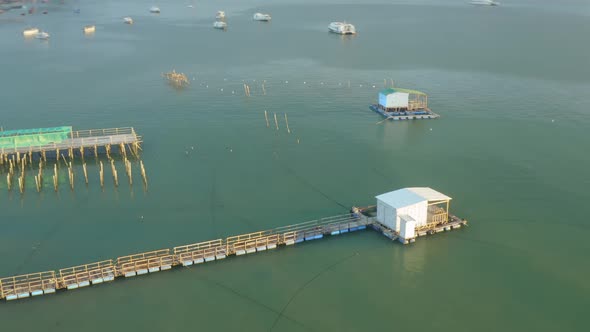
(48, 282)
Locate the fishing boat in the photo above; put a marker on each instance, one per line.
(128, 20)
(261, 17)
(30, 32)
(89, 29)
(42, 35)
(220, 15)
(342, 28)
(484, 3)
(220, 25)
(154, 10)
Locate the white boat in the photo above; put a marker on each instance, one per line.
(261, 17)
(220, 15)
(89, 29)
(342, 28)
(128, 20)
(30, 32)
(484, 2)
(154, 10)
(42, 35)
(219, 25)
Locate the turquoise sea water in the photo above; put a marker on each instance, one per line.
(511, 148)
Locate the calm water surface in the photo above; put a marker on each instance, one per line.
(511, 148)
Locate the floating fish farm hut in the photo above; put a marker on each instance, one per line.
(403, 104)
(413, 212)
(399, 215)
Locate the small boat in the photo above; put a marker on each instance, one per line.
(220, 15)
(30, 32)
(89, 29)
(42, 35)
(484, 3)
(220, 25)
(76, 11)
(128, 20)
(342, 28)
(261, 17)
(155, 10)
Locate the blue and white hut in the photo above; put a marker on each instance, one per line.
(403, 104)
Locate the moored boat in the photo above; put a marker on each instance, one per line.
(30, 32)
(89, 29)
(220, 25)
(342, 28)
(42, 35)
(484, 3)
(261, 17)
(154, 10)
(128, 20)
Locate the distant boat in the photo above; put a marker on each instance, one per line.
(342, 28)
(89, 29)
(155, 10)
(220, 15)
(42, 35)
(76, 11)
(484, 3)
(128, 20)
(30, 32)
(261, 17)
(220, 25)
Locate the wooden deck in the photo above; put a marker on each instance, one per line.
(22, 286)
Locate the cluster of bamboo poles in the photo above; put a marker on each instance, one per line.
(16, 166)
(277, 121)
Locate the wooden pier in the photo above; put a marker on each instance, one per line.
(35, 284)
(94, 140)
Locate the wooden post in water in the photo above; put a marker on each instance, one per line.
(71, 176)
(21, 185)
(43, 156)
(266, 117)
(128, 169)
(71, 153)
(287, 122)
(101, 175)
(85, 173)
(276, 122)
(95, 151)
(115, 175)
(263, 89)
(122, 150)
(37, 183)
(40, 175)
(8, 181)
(142, 171)
(82, 152)
(55, 177)
(108, 150)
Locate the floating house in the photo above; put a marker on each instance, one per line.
(413, 212)
(403, 104)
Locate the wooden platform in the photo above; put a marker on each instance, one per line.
(84, 139)
(22, 286)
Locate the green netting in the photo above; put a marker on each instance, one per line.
(33, 137)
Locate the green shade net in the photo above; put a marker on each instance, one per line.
(12, 139)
